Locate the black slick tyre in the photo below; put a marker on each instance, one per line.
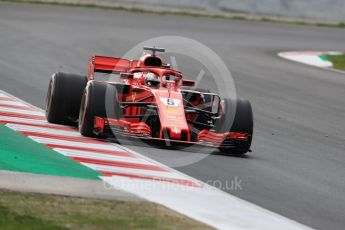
(238, 117)
(64, 97)
(99, 100)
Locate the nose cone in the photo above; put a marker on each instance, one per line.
(172, 116)
(176, 133)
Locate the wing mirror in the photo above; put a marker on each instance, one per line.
(189, 83)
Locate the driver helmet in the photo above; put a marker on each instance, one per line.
(152, 79)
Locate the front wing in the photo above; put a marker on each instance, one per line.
(122, 128)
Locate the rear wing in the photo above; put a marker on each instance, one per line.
(102, 64)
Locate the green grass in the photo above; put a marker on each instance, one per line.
(181, 12)
(10, 220)
(27, 211)
(338, 61)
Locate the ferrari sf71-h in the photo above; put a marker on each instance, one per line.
(148, 100)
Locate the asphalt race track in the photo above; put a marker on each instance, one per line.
(297, 167)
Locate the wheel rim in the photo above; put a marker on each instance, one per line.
(49, 95)
(82, 111)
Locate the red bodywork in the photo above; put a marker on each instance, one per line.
(166, 99)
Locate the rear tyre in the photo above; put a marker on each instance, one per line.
(238, 117)
(64, 97)
(99, 100)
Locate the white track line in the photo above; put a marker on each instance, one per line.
(139, 172)
(45, 140)
(5, 95)
(99, 156)
(28, 121)
(13, 103)
(21, 111)
(22, 128)
(310, 58)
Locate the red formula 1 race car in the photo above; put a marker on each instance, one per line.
(149, 100)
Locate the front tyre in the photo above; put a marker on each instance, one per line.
(237, 117)
(99, 100)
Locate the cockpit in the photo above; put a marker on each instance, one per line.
(153, 80)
